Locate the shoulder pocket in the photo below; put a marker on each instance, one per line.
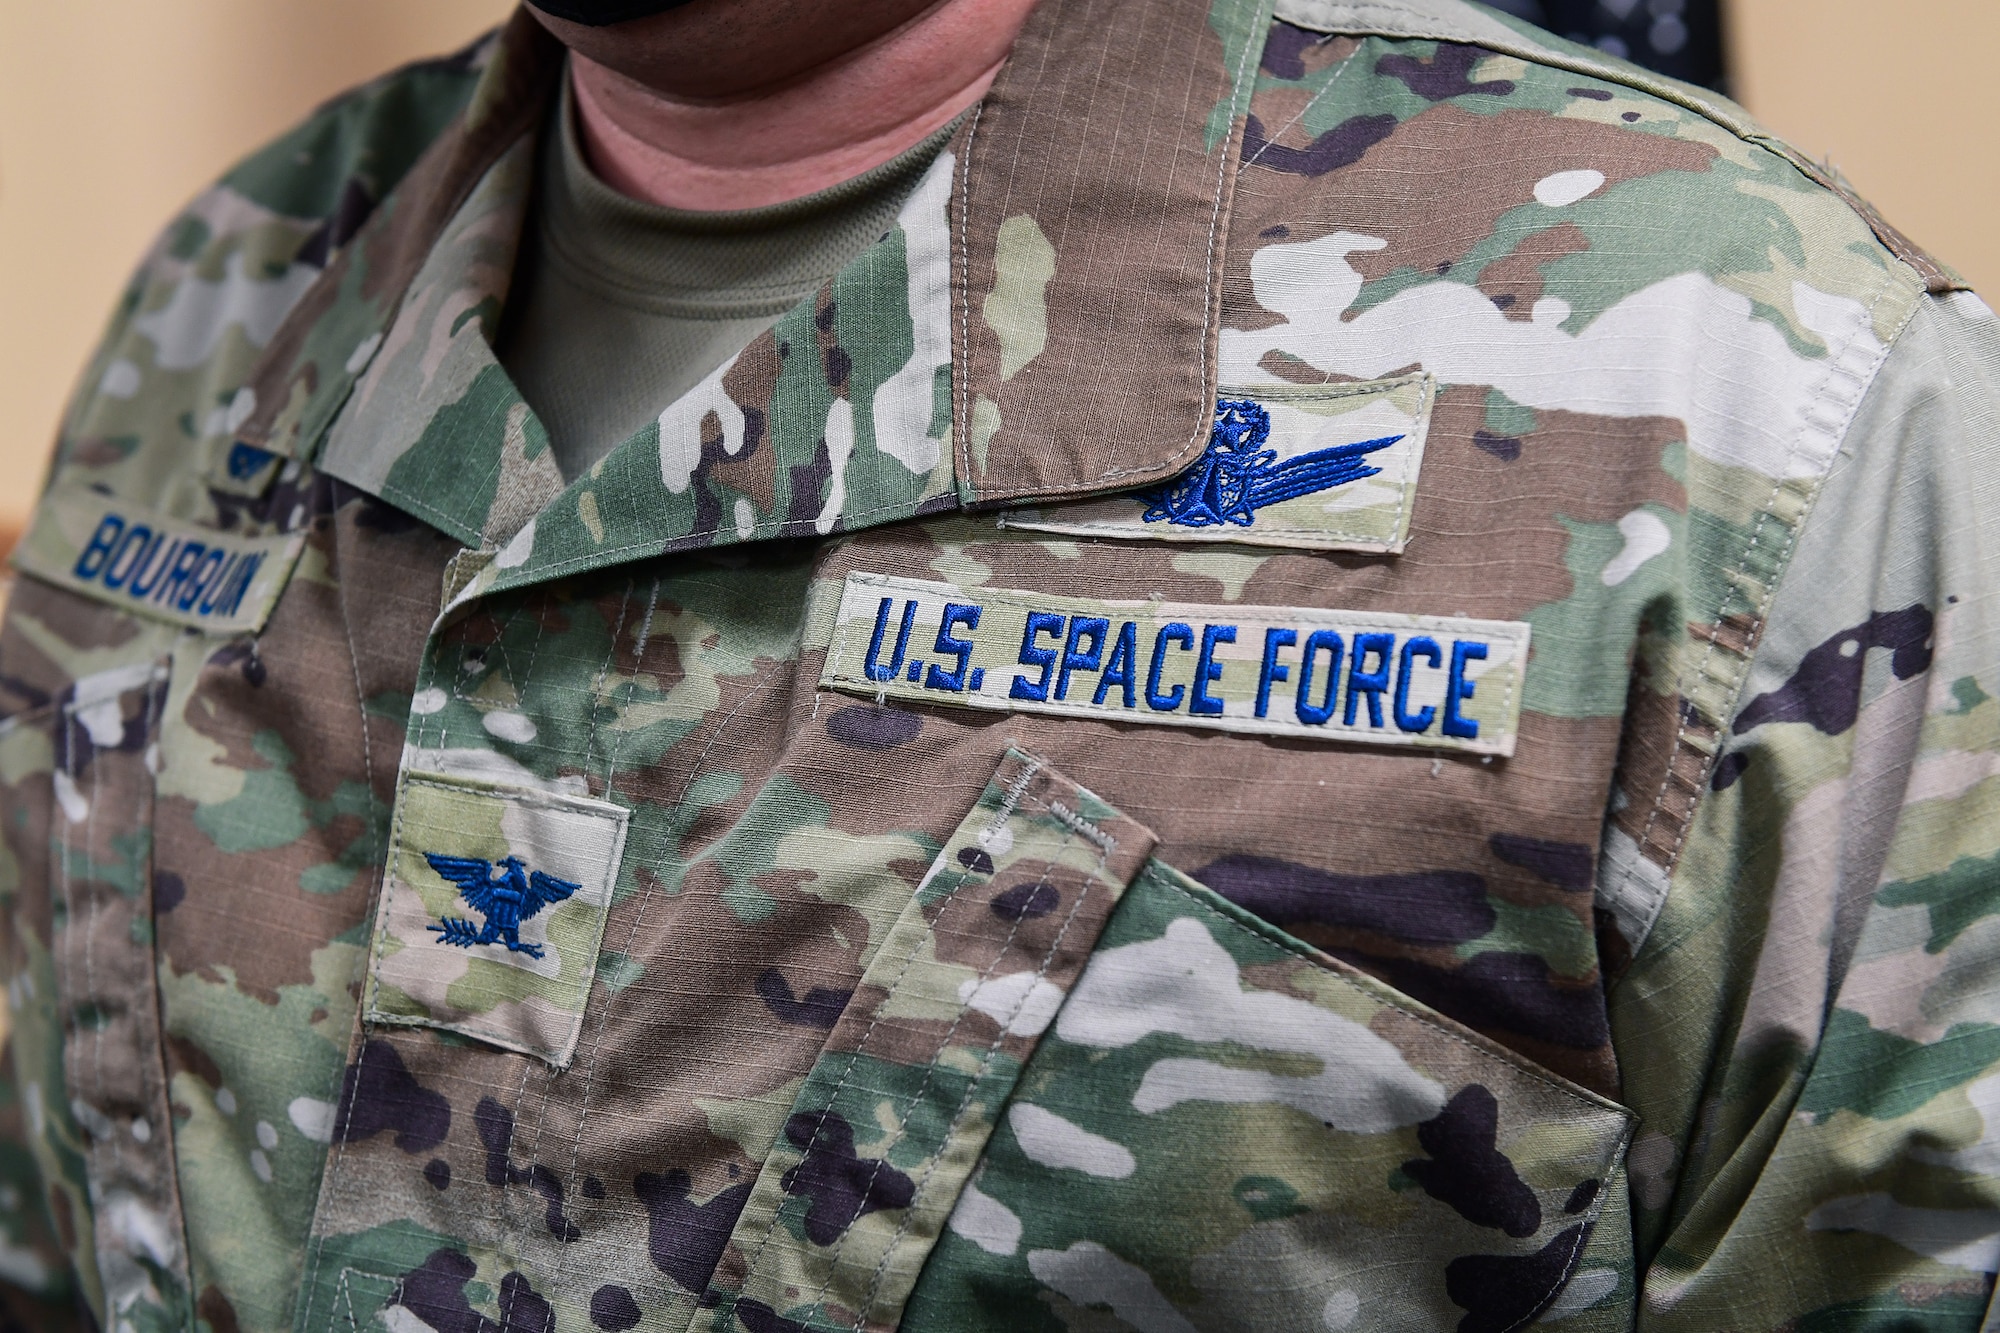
(1225, 1128)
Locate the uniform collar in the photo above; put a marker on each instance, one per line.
(1041, 324)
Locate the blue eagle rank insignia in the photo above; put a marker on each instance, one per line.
(492, 913)
(1326, 467)
(505, 900)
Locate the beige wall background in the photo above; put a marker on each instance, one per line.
(112, 112)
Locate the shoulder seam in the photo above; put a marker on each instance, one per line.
(1711, 684)
(1378, 19)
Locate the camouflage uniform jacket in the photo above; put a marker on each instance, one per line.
(1349, 684)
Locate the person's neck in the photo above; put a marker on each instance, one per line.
(783, 141)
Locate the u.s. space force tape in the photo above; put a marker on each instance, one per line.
(1353, 677)
(133, 558)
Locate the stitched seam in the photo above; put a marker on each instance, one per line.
(1562, 1279)
(962, 421)
(344, 1295)
(1105, 844)
(916, 1098)
(116, 1145)
(525, 796)
(853, 1059)
(331, 1174)
(1077, 824)
(1759, 609)
(930, 1072)
(854, 1055)
(587, 968)
(1593, 1215)
(646, 898)
(1271, 139)
(369, 1007)
(1304, 954)
(160, 1093)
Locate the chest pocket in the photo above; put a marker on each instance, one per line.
(1208, 1125)
(1225, 1128)
(76, 783)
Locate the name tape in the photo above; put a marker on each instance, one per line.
(133, 558)
(1371, 678)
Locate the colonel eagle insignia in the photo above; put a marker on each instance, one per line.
(505, 899)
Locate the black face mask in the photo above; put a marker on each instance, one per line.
(598, 13)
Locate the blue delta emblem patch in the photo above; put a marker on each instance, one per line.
(1324, 467)
(505, 900)
(1236, 475)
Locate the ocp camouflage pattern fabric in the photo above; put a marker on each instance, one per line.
(517, 915)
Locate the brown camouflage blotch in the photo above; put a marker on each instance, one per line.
(1514, 281)
(1033, 149)
(1432, 199)
(1291, 369)
(307, 699)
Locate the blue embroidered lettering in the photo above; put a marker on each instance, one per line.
(1123, 666)
(1371, 682)
(1457, 687)
(1075, 658)
(246, 573)
(207, 576)
(108, 529)
(949, 645)
(871, 664)
(1310, 713)
(184, 560)
(1033, 654)
(115, 572)
(1172, 632)
(142, 583)
(1425, 647)
(1206, 669)
(1274, 639)
(1276, 671)
(504, 900)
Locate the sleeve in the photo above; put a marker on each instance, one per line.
(36, 1291)
(1811, 1031)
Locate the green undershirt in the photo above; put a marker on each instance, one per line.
(620, 307)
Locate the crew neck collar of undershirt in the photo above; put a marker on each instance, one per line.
(729, 263)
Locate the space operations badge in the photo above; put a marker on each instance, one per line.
(1311, 467)
(129, 556)
(1353, 677)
